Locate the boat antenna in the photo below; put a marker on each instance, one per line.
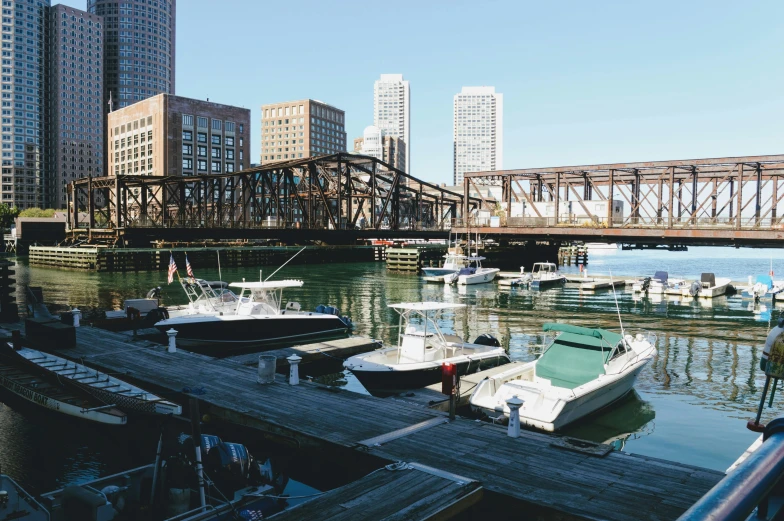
(281, 266)
(617, 309)
(220, 277)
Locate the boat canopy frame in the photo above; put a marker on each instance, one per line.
(267, 292)
(429, 311)
(200, 290)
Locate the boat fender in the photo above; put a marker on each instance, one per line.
(771, 340)
(695, 288)
(487, 340)
(346, 320)
(321, 308)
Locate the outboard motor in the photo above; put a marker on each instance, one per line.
(154, 293)
(695, 288)
(154, 316)
(232, 468)
(758, 290)
(487, 340)
(646, 284)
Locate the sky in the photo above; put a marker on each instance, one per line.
(583, 82)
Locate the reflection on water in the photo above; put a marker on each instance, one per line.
(703, 385)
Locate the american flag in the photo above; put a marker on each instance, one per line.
(188, 267)
(172, 268)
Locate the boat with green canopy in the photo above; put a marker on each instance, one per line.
(581, 371)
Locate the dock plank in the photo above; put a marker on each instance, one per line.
(330, 350)
(528, 469)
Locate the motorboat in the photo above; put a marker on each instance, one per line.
(601, 246)
(48, 393)
(763, 289)
(421, 351)
(659, 284)
(707, 287)
(453, 262)
(257, 318)
(545, 275)
(239, 487)
(581, 371)
(474, 273)
(101, 386)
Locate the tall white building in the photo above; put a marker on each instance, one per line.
(478, 131)
(392, 110)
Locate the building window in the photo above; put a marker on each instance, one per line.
(229, 153)
(229, 141)
(187, 121)
(202, 150)
(202, 122)
(216, 140)
(216, 167)
(216, 153)
(229, 126)
(229, 167)
(217, 124)
(187, 135)
(187, 164)
(201, 137)
(202, 164)
(187, 150)
(242, 128)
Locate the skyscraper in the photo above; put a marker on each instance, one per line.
(300, 129)
(74, 134)
(478, 133)
(23, 107)
(392, 110)
(140, 48)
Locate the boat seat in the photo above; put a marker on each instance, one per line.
(573, 360)
(82, 504)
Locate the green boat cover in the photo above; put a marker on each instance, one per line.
(576, 356)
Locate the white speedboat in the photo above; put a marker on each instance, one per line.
(581, 371)
(256, 318)
(545, 275)
(421, 351)
(453, 262)
(474, 273)
(659, 284)
(707, 287)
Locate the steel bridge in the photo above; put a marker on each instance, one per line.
(723, 201)
(336, 199)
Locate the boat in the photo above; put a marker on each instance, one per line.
(453, 262)
(238, 487)
(421, 351)
(50, 393)
(474, 273)
(16, 503)
(707, 287)
(581, 371)
(763, 289)
(545, 275)
(99, 385)
(601, 246)
(659, 284)
(257, 318)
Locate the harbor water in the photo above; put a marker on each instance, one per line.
(691, 404)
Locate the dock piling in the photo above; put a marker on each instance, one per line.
(172, 333)
(514, 404)
(77, 315)
(294, 361)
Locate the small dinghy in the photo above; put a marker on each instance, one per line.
(707, 287)
(100, 385)
(50, 393)
(581, 371)
(421, 351)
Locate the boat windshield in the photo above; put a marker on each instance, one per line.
(544, 267)
(210, 294)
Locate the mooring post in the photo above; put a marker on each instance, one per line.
(294, 361)
(514, 403)
(172, 340)
(77, 315)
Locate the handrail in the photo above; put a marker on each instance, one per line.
(748, 486)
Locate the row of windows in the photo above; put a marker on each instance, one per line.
(215, 139)
(217, 124)
(201, 166)
(215, 152)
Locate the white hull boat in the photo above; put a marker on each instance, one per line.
(707, 287)
(100, 385)
(421, 352)
(453, 262)
(545, 275)
(582, 370)
(763, 289)
(659, 284)
(474, 273)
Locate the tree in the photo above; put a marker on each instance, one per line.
(37, 212)
(7, 215)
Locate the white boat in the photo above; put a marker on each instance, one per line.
(763, 289)
(545, 275)
(474, 273)
(256, 318)
(707, 287)
(659, 284)
(100, 385)
(421, 351)
(453, 262)
(581, 371)
(16, 503)
(601, 246)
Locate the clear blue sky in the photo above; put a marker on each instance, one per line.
(583, 82)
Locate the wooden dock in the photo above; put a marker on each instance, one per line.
(330, 352)
(411, 492)
(602, 284)
(529, 473)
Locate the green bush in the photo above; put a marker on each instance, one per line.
(37, 212)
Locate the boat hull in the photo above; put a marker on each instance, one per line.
(388, 381)
(218, 335)
(438, 272)
(539, 285)
(477, 278)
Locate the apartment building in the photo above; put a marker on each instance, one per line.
(478, 131)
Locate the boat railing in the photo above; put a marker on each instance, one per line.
(753, 485)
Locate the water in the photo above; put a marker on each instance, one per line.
(691, 405)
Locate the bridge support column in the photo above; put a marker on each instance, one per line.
(738, 221)
(610, 190)
(758, 205)
(557, 196)
(671, 189)
(774, 200)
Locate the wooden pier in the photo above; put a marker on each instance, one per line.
(531, 474)
(414, 258)
(568, 255)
